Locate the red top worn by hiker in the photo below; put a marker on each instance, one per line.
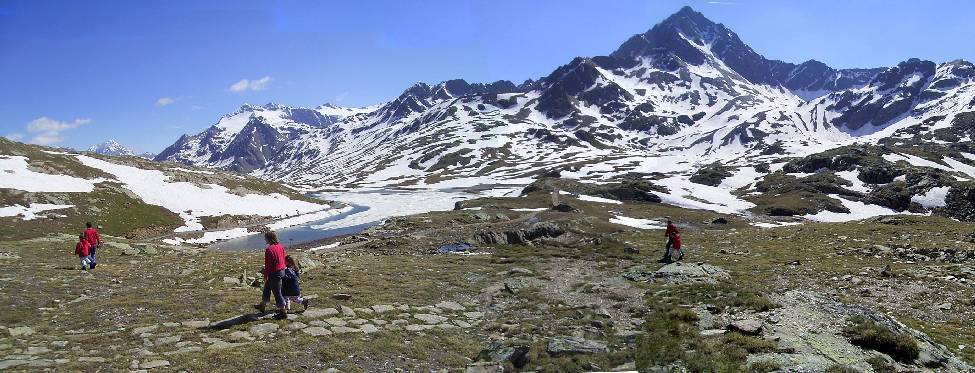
(273, 259)
(91, 235)
(81, 249)
(672, 230)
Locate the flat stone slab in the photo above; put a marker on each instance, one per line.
(316, 331)
(368, 328)
(315, 313)
(418, 328)
(429, 318)
(382, 308)
(262, 329)
(453, 306)
(335, 321)
(574, 345)
(344, 329)
(154, 364)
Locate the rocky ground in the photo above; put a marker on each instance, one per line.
(537, 290)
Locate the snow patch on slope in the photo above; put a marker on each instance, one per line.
(31, 211)
(14, 174)
(191, 202)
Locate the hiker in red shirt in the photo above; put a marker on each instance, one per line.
(91, 235)
(81, 249)
(274, 265)
(673, 241)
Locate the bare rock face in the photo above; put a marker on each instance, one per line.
(747, 327)
(679, 273)
(520, 236)
(573, 345)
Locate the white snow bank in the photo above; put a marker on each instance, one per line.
(858, 211)
(307, 218)
(960, 167)
(914, 161)
(30, 212)
(637, 223)
(951, 164)
(191, 201)
(210, 237)
(583, 197)
(854, 178)
(329, 246)
(530, 209)
(933, 198)
(686, 194)
(384, 204)
(744, 176)
(15, 175)
(501, 192)
(775, 224)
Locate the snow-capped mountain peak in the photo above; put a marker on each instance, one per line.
(111, 147)
(687, 87)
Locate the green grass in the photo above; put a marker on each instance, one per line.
(672, 334)
(764, 367)
(870, 335)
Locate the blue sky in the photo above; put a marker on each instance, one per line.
(75, 73)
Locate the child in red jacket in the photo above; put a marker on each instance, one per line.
(676, 244)
(81, 249)
(94, 241)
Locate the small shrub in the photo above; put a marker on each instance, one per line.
(880, 365)
(751, 344)
(764, 367)
(870, 335)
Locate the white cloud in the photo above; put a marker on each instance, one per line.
(341, 97)
(165, 101)
(48, 131)
(250, 85)
(722, 3)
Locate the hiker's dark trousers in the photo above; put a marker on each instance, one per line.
(91, 253)
(273, 285)
(670, 244)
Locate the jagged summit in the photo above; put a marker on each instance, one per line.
(687, 86)
(111, 147)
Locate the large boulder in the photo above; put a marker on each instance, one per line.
(628, 190)
(711, 175)
(574, 345)
(960, 202)
(679, 273)
(514, 353)
(519, 236)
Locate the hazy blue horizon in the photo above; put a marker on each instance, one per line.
(144, 73)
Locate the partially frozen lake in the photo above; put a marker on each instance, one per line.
(369, 207)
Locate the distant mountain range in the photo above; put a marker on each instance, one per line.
(681, 97)
(112, 147)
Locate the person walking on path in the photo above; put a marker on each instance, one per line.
(81, 249)
(274, 265)
(673, 239)
(291, 284)
(94, 241)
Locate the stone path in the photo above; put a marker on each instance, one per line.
(150, 346)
